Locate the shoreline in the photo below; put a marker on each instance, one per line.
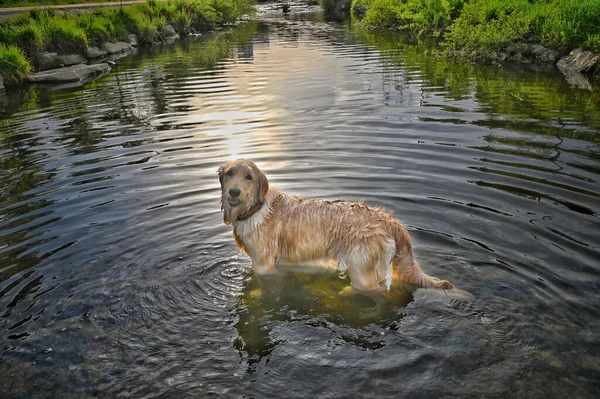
(77, 69)
(498, 31)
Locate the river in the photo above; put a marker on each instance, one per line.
(119, 279)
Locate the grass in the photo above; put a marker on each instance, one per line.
(24, 3)
(14, 66)
(491, 30)
(48, 30)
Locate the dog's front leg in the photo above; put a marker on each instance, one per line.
(264, 267)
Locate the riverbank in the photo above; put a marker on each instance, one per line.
(44, 39)
(493, 31)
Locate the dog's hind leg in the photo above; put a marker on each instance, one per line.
(362, 270)
(407, 269)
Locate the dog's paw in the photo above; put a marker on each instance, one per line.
(348, 291)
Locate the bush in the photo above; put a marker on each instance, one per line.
(489, 30)
(62, 35)
(13, 65)
(419, 16)
(97, 27)
(29, 37)
(493, 30)
(43, 30)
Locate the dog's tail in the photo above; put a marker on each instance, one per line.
(407, 269)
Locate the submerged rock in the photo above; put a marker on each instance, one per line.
(73, 74)
(115, 48)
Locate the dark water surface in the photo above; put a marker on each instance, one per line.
(118, 278)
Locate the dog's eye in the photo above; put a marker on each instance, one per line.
(230, 173)
(248, 177)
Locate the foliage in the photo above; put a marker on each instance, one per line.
(492, 30)
(23, 3)
(48, 30)
(419, 16)
(13, 65)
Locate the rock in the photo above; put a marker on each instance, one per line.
(133, 41)
(75, 73)
(169, 32)
(95, 52)
(360, 9)
(115, 48)
(71, 59)
(579, 61)
(577, 79)
(46, 60)
(543, 54)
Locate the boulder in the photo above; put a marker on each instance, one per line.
(579, 61)
(132, 39)
(169, 32)
(75, 73)
(543, 54)
(71, 59)
(115, 48)
(46, 60)
(94, 52)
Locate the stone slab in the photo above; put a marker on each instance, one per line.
(75, 73)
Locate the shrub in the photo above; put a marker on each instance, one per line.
(489, 30)
(30, 38)
(97, 27)
(14, 66)
(419, 16)
(64, 36)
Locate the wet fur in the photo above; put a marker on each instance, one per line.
(367, 242)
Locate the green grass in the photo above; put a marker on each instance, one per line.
(14, 66)
(48, 30)
(491, 30)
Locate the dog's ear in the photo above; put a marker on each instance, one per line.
(220, 172)
(263, 186)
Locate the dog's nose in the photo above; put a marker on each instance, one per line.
(235, 191)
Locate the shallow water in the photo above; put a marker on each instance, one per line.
(118, 278)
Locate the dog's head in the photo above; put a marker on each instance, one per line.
(243, 186)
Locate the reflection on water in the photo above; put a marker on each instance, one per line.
(118, 278)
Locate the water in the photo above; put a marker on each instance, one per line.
(118, 278)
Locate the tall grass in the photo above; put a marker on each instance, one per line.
(491, 29)
(13, 65)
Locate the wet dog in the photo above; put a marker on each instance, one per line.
(278, 229)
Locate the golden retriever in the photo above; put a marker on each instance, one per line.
(278, 229)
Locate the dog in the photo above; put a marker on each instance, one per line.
(276, 229)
